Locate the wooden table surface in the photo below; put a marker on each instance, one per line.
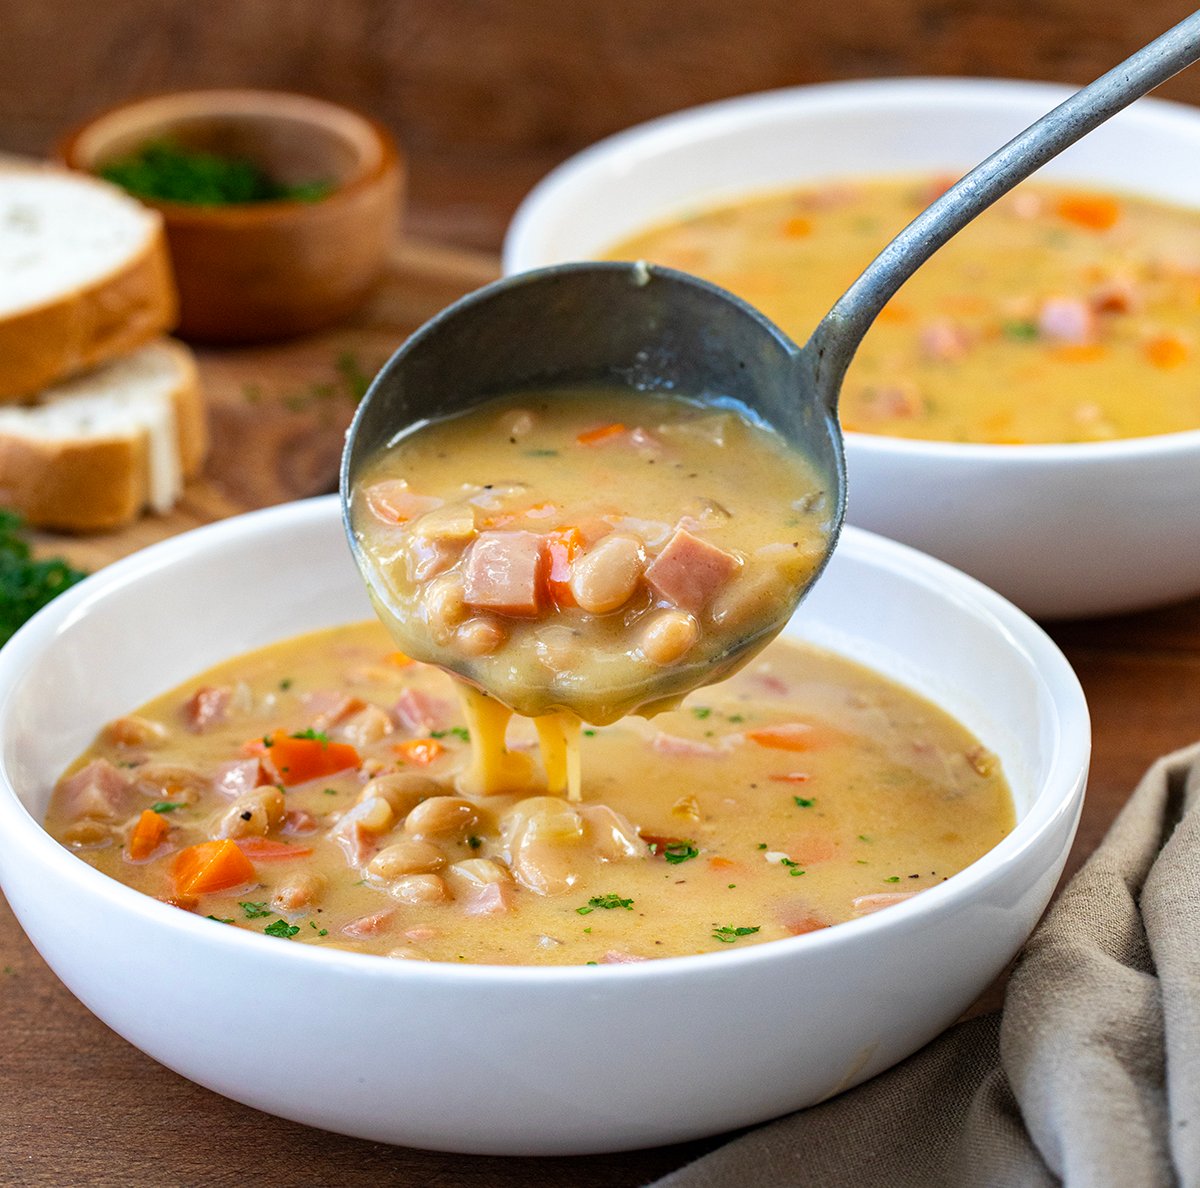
(83, 1106)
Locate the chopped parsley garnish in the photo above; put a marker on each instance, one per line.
(281, 928)
(219, 919)
(539, 453)
(701, 712)
(458, 731)
(331, 791)
(736, 718)
(795, 867)
(285, 684)
(26, 585)
(318, 931)
(1020, 331)
(762, 845)
(167, 806)
(862, 837)
(268, 741)
(804, 801)
(728, 933)
(474, 842)
(605, 901)
(680, 851)
(316, 736)
(254, 910)
(590, 733)
(892, 879)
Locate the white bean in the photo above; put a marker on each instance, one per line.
(480, 636)
(668, 636)
(604, 579)
(442, 817)
(408, 856)
(420, 888)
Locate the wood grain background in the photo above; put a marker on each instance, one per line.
(488, 94)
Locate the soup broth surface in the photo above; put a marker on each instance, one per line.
(1059, 315)
(312, 791)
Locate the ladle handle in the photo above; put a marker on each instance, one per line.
(835, 340)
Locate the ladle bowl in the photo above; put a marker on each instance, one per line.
(653, 329)
(644, 328)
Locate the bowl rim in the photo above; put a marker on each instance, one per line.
(695, 124)
(1060, 794)
(389, 159)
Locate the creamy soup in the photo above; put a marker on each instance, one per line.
(1060, 315)
(313, 792)
(610, 552)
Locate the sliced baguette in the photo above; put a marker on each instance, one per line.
(102, 447)
(84, 276)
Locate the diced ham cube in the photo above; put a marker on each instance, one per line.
(299, 821)
(1067, 319)
(98, 790)
(799, 919)
(504, 573)
(237, 777)
(492, 899)
(371, 925)
(393, 503)
(362, 729)
(864, 904)
(689, 572)
(419, 713)
(944, 341)
(207, 707)
(328, 706)
(672, 744)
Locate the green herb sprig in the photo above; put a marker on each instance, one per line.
(26, 585)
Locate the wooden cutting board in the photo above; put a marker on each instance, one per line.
(279, 413)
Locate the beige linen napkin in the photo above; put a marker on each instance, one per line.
(1089, 1076)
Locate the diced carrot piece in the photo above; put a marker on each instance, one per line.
(719, 863)
(792, 777)
(601, 434)
(1079, 352)
(147, 834)
(399, 659)
(211, 866)
(895, 313)
(1166, 352)
(295, 760)
(419, 751)
(793, 736)
(1096, 212)
(562, 547)
(265, 849)
(797, 227)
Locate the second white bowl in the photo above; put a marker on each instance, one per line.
(1063, 531)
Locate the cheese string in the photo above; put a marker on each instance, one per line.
(494, 769)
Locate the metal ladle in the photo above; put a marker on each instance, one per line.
(657, 330)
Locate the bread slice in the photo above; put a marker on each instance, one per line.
(84, 276)
(100, 448)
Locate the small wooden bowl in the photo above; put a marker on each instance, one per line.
(251, 272)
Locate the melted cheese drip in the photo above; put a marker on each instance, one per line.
(495, 770)
(558, 735)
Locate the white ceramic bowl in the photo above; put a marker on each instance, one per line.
(513, 1060)
(1062, 530)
